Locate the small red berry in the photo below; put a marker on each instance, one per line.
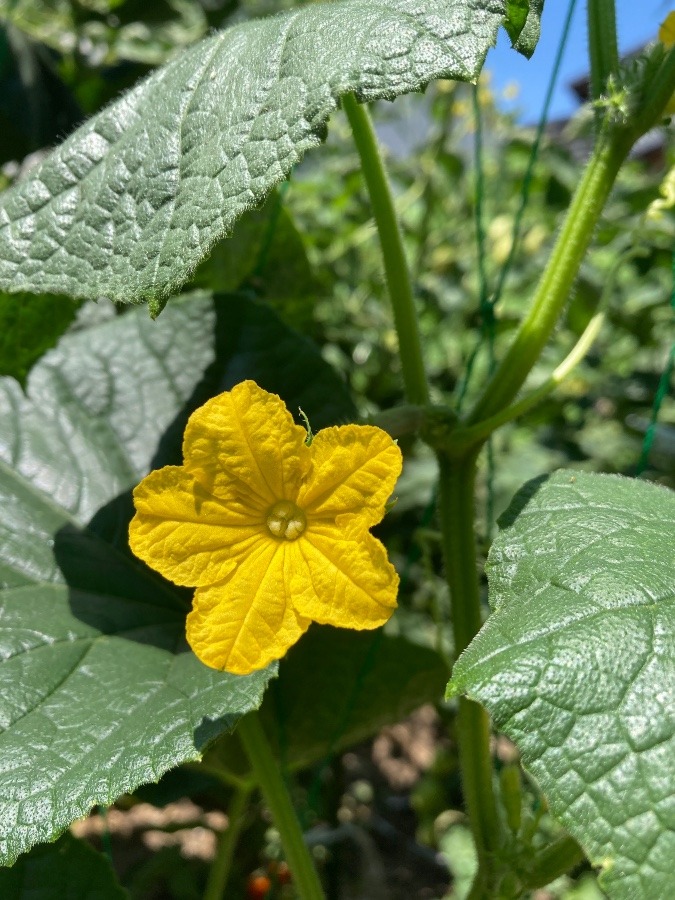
(258, 887)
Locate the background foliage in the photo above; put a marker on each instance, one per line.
(304, 275)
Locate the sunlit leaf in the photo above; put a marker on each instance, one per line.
(577, 665)
(133, 200)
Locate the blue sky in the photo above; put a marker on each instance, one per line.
(637, 22)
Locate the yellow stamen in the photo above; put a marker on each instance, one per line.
(286, 520)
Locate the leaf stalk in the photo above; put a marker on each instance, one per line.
(274, 791)
(397, 273)
(553, 861)
(612, 147)
(558, 278)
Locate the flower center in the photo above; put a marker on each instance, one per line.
(286, 520)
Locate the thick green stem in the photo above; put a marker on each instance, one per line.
(271, 783)
(603, 49)
(556, 282)
(221, 865)
(396, 268)
(457, 514)
(553, 861)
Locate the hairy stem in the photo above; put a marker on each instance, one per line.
(556, 282)
(603, 49)
(396, 269)
(457, 513)
(221, 865)
(271, 783)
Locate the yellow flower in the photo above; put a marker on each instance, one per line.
(273, 533)
(667, 31)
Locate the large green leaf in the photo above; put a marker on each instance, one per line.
(135, 198)
(577, 665)
(99, 690)
(67, 869)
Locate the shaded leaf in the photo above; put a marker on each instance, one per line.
(69, 868)
(354, 683)
(577, 665)
(258, 345)
(266, 254)
(133, 200)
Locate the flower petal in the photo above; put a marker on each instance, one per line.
(185, 533)
(354, 470)
(246, 436)
(349, 584)
(248, 620)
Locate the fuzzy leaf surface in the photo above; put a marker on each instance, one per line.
(576, 665)
(130, 204)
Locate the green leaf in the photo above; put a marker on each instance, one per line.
(576, 664)
(100, 693)
(29, 326)
(69, 868)
(523, 24)
(133, 200)
(359, 683)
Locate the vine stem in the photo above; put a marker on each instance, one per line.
(556, 282)
(221, 865)
(553, 861)
(273, 788)
(611, 149)
(457, 479)
(475, 434)
(397, 273)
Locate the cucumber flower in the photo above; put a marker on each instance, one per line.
(272, 532)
